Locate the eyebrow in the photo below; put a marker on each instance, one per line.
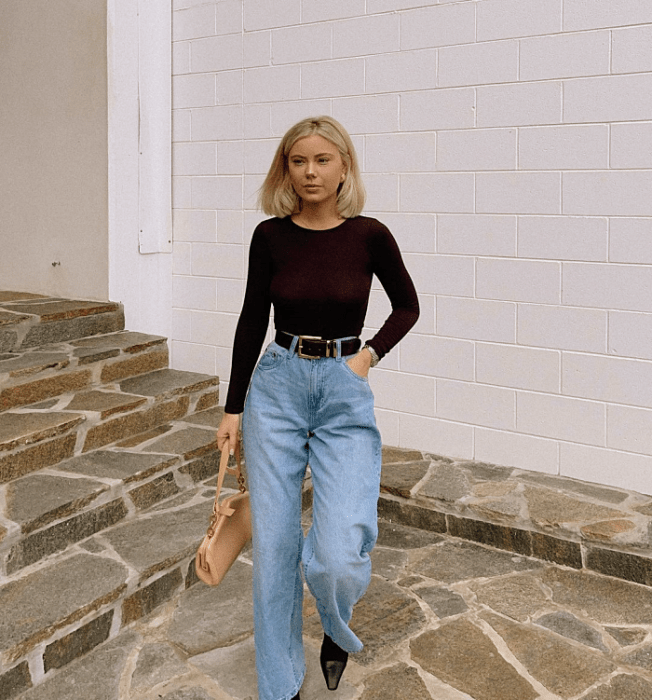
(319, 155)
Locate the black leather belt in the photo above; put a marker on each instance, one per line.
(312, 348)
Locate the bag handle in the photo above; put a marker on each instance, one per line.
(225, 469)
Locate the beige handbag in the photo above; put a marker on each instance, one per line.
(229, 529)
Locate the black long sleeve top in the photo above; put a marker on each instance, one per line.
(319, 283)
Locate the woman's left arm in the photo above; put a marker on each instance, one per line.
(390, 269)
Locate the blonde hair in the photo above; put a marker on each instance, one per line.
(277, 197)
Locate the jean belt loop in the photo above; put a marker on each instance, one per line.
(293, 345)
(338, 344)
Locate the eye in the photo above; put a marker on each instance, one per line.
(323, 160)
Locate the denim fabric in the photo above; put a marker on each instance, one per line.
(298, 412)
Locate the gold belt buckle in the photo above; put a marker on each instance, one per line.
(300, 352)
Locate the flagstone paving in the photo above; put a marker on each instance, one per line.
(443, 619)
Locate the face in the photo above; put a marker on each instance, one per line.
(316, 170)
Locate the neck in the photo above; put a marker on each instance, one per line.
(317, 217)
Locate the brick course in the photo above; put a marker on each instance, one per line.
(522, 128)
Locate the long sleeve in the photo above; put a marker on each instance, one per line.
(253, 322)
(390, 269)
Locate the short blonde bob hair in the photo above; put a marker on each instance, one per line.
(277, 197)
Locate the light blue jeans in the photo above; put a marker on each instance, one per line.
(298, 412)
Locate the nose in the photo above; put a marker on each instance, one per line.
(310, 169)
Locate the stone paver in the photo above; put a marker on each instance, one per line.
(475, 623)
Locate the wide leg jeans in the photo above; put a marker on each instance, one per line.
(318, 412)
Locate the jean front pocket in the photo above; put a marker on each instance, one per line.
(348, 369)
(273, 356)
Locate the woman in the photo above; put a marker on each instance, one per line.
(309, 401)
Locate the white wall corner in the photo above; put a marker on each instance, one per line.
(140, 173)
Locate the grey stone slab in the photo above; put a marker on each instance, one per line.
(232, 667)
(391, 455)
(603, 599)
(206, 466)
(167, 382)
(442, 602)
(453, 561)
(404, 537)
(87, 356)
(57, 537)
(126, 466)
(8, 340)
(399, 479)
(622, 687)
(410, 514)
(8, 318)
(583, 488)
(461, 655)
(482, 471)
(20, 429)
(106, 403)
(548, 508)
(520, 597)
(45, 404)
(500, 510)
(388, 563)
(145, 437)
(195, 692)
(627, 636)
(210, 617)
(563, 668)
(128, 341)
(569, 626)
(641, 657)
(399, 681)
(46, 600)
(96, 676)
(33, 362)
(157, 663)
(446, 482)
(174, 503)
(211, 418)
(38, 499)
(188, 442)
(161, 540)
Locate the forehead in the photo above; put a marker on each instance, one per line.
(313, 145)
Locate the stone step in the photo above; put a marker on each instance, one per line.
(48, 511)
(40, 374)
(81, 421)
(28, 321)
(135, 555)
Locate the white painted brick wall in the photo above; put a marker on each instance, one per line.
(508, 146)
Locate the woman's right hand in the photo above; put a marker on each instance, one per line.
(228, 434)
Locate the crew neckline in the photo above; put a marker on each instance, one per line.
(317, 230)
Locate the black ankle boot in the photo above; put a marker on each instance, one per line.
(333, 662)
